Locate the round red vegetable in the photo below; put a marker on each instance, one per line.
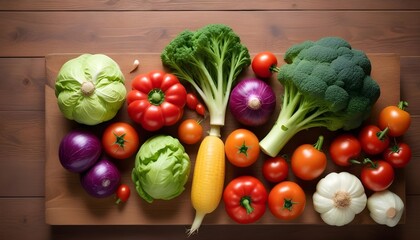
(308, 161)
(263, 64)
(120, 140)
(252, 102)
(373, 141)
(275, 169)
(396, 119)
(287, 200)
(79, 150)
(123, 193)
(377, 175)
(345, 148)
(398, 155)
(245, 198)
(190, 131)
(101, 180)
(157, 99)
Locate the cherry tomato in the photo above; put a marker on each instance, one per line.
(377, 175)
(190, 131)
(398, 155)
(200, 109)
(396, 119)
(373, 140)
(308, 161)
(287, 200)
(275, 169)
(263, 64)
(120, 140)
(192, 101)
(242, 147)
(344, 148)
(245, 198)
(123, 193)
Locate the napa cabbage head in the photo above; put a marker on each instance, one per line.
(90, 89)
(161, 168)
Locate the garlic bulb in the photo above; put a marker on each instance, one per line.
(385, 207)
(339, 197)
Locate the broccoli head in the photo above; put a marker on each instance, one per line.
(210, 59)
(326, 84)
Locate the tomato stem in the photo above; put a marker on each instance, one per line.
(243, 149)
(156, 96)
(246, 203)
(318, 144)
(402, 105)
(288, 204)
(383, 134)
(370, 162)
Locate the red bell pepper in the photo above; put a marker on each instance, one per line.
(157, 99)
(245, 199)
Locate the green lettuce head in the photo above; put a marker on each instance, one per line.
(161, 168)
(90, 89)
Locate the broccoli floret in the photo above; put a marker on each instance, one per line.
(210, 59)
(326, 84)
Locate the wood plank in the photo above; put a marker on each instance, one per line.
(67, 203)
(410, 83)
(22, 84)
(236, 5)
(22, 138)
(149, 31)
(22, 218)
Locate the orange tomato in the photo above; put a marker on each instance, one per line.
(287, 200)
(242, 147)
(120, 140)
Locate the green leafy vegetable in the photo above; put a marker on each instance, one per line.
(161, 168)
(90, 89)
(326, 84)
(210, 59)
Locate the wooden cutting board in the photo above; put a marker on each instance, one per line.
(66, 203)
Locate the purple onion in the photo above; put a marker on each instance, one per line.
(101, 180)
(252, 102)
(79, 150)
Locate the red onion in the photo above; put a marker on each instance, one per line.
(102, 180)
(252, 102)
(79, 150)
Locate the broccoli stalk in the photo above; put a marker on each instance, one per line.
(326, 84)
(210, 59)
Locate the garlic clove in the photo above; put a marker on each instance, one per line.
(385, 208)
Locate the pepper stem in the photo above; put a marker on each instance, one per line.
(246, 203)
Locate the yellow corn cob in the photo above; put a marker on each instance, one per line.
(208, 179)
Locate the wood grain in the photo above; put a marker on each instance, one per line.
(236, 5)
(68, 204)
(150, 31)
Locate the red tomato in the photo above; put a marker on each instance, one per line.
(275, 169)
(263, 64)
(190, 131)
(398, 155)
(373, 140)
(120, 140)
(157, 99)
(377, 175)
(396, 119)
(192, 101)
(286, 200)
(245, 198)
(308, 161)
(123, 193)
(242, 147)
(200, 109)
(344, 148)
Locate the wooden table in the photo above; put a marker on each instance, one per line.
(30, 30)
